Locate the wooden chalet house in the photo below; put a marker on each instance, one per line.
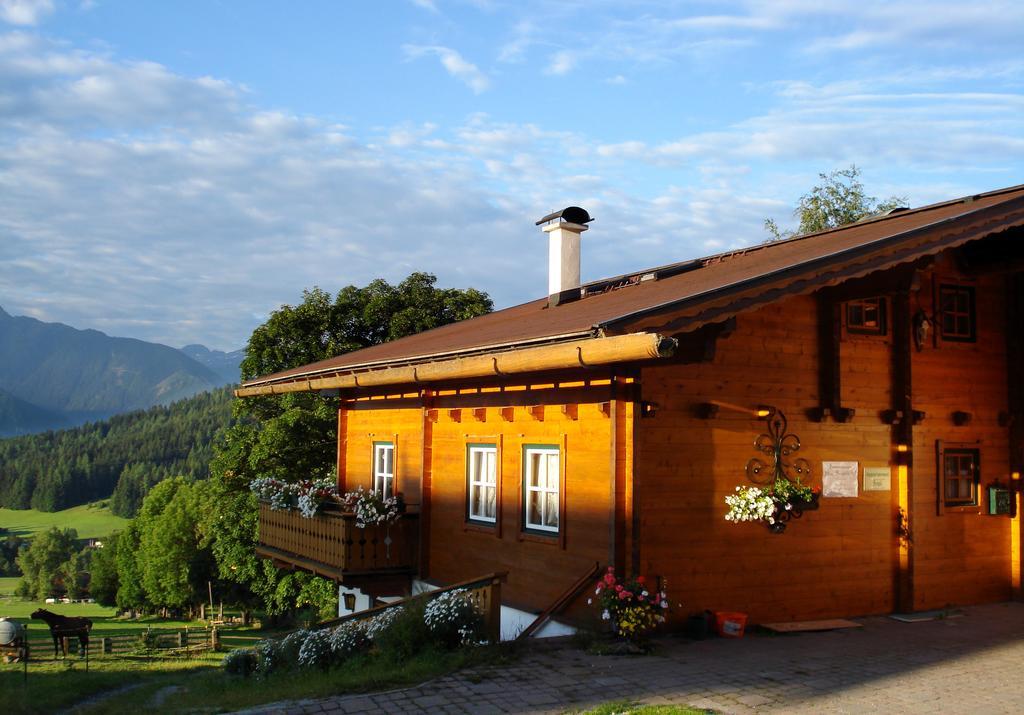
(607, 422)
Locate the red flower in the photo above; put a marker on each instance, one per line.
(641, 580)
(618, 588)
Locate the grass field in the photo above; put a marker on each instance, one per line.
(57, 685)
(7, 585)
(90, 520)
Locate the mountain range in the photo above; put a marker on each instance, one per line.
(54, 376)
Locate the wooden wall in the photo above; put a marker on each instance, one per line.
(842, 560)
(401, 425)
(962, 555)
(539, 568)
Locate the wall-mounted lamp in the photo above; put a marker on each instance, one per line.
(350, 601)
(765, 411)
(902, 448)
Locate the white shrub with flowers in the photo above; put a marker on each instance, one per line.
(316, 650)
(750, 504)
(369, 507)
(382, 621)
(306, 495)
(453, 618)
(349, 638)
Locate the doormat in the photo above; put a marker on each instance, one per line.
(921, 616)
(808, 626)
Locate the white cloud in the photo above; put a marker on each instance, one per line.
(25, 12)
(454, 63)
(562, 62)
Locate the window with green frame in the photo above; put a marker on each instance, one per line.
(541, 487)
(482, 483)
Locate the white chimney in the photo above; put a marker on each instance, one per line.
(564, 231)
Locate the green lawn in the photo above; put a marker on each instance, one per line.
(7, 586)
(90, 520)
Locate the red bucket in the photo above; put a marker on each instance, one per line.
(729, 624)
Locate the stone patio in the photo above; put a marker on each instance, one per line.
(969, 664)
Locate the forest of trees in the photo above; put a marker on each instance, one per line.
(122, 457)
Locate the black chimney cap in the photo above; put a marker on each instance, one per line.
(572, 214)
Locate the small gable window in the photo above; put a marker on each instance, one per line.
(866, 316)
(956, 309)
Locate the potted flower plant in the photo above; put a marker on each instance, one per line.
(632, 606)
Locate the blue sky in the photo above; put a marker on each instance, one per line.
(175, 171)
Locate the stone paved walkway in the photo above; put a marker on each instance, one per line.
(970, 664)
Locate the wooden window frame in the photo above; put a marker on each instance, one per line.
(383, 475)
(945, 451)
(485, 448)
(881, 305)
(554, 534)
(971, 314)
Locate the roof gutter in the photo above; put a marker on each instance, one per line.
(579, 353)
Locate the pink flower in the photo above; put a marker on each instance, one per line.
(623, 595)
(641, 597)
(618, 588)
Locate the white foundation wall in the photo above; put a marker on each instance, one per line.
(361, 601)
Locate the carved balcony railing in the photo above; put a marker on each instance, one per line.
(331, 545)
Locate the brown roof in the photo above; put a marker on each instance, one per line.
(707, 289)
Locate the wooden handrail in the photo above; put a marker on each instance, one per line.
(495, 579)
(560, 603)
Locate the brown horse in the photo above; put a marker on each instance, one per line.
(65, 627)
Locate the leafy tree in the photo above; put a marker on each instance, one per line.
(130, 592)
(103, 580)
(10, 546)
(43, 563)
(175, 564)
(840, 199)
(294, 436)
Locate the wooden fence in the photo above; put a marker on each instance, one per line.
(149, 642)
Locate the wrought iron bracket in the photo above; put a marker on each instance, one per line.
(779, 447)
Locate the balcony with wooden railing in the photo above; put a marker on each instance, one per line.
(331, 545)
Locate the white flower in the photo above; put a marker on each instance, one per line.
(605, 616)
(597, 592)
(590, 601)
(644, 594)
